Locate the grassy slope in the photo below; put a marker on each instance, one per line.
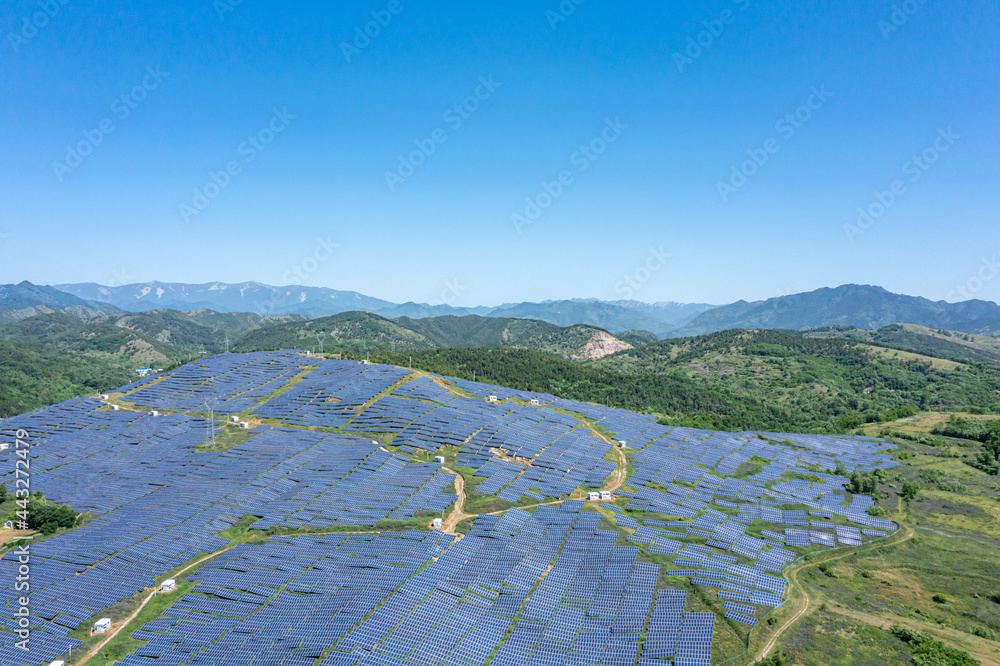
(962, 347)
(949, 545)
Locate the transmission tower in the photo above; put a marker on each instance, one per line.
(211, 424)
(319, 337)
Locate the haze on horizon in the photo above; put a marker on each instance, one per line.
(543, 151)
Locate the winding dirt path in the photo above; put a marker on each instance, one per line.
(793, 583)
(457, 515)
(621, 471)
(127, 621)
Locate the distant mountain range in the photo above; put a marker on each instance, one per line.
(24, 300)
(861, 306)
(313, 302)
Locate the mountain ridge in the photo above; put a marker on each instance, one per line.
(863, 306)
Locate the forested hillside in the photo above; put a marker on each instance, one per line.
(768, 380)
(842, 382)
(34, 375)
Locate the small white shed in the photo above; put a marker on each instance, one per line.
(606, 495)
(154, 413)
(168, 585)
(593, 497)
(437, 523)
(244, 425)
(439, 460)
(102, 625)
(234, 419)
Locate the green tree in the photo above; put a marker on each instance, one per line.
(988, 459)
(47, 518)
(909, 491)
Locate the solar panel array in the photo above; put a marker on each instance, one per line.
(541, 587)
(286, 601)
(331, 394)
(231, 382)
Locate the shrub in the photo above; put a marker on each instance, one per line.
(909, 491)
(41, 513)
(929, 652)
(939, 599)
(984, 633)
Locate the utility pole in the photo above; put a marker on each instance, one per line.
(319, 337)
(227, 343)
(211, 425)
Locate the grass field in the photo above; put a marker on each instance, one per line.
(939, 575)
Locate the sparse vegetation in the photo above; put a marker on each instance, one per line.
(929, 652)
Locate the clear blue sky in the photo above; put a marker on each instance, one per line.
(678, 126)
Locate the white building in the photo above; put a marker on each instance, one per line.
(439, 460)
(114, 408)
(622, 443)
(142, 372)
(154, 413)
(102, 625)
(536, 401)
(9, 525)
(105, 397)
(244, 425)
(437, 523)
(593, 497)
(493, 398)
(606, 495)
(234, 419)
(168, 585)
(57, 662)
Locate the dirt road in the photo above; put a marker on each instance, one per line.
(124, 623)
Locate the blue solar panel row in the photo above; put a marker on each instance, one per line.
(560, 589)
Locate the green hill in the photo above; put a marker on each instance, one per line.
(156, 337)
(475, 331)
(59, 331)
(364, 331)
(33, 375)
(237, 324)
(954, 345)
(346, 332)
(835, 381)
